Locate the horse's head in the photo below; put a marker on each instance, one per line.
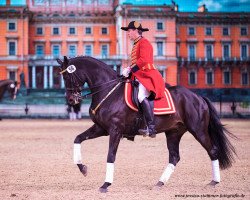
(72, 80)
(12, 89)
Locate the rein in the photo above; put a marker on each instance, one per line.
(110, 92)
(80, 89)
(95, 86)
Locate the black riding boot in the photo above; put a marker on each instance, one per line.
(148, 113)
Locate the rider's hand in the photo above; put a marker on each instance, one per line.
(126, 71)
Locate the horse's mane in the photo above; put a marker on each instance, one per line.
(96, 62)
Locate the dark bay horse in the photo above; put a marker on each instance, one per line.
(8, 86)
(111, 116)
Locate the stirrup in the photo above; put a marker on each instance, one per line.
(145, 133)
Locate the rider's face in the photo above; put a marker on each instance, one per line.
(132, 34)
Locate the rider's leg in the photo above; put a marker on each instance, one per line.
(148, 111)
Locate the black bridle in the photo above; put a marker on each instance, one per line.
(76, 89)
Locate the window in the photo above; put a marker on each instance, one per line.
(244, 78)
(209, 52)
(177, 50)
(72, 50)
(12, 48)
(162, 70)
(18, 3)
(209, 77)
(72, 31)
(227, 77)
(56, 50)
(104, 31)
(225, 31)
(191, 31)
(103, 2)
(191, 52)
(160, 26)
(55, 31)
(39, 50)
(88, 31)
(177, 31)
(55, 2)
(88, 2)
(39, 2)
(12, 26)
(159, 48)
(88, 50)
(104, 51)
(226, 51)
(192, 77)
(208, 31)
(243, 51)
(243, 30)
(71, 2)
(39, 30)
(12, 75)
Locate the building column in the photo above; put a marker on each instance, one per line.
(62, 82)
(45, 77)
(50, 76)
(119, 35)
(33, 76)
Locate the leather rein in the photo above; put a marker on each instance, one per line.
(78, 89)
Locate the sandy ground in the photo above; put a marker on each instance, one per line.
(36, 163)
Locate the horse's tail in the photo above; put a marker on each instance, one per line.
(218, 134)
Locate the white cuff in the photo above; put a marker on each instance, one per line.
(110, 172)
(167, 173)
(77, 154)
(216, 170)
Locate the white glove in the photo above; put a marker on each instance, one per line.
(126, 71)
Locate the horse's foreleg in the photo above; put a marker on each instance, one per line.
(173, 140)
(113, 146)
(93, 132)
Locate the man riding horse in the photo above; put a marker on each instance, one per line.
(151, 83)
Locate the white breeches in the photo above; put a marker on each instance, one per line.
(143, 92)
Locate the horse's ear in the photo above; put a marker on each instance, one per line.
(66, 60)
(59, 61)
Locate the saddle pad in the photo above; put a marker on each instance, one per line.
(162, 106)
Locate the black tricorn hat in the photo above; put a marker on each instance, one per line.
(134, 25)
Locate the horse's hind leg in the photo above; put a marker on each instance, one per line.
(204, 139)
(173, 141)
(93, 132)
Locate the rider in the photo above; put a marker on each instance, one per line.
(151, 83)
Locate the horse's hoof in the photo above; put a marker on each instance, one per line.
(159, 184)
(212, 183)
(104, 187)
(84, 170)
(103, 190)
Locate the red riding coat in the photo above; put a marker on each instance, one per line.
(143, 68)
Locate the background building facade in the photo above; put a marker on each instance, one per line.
(200, 50)
(213, 53)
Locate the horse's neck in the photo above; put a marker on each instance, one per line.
(100, 82)
(99, 79)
